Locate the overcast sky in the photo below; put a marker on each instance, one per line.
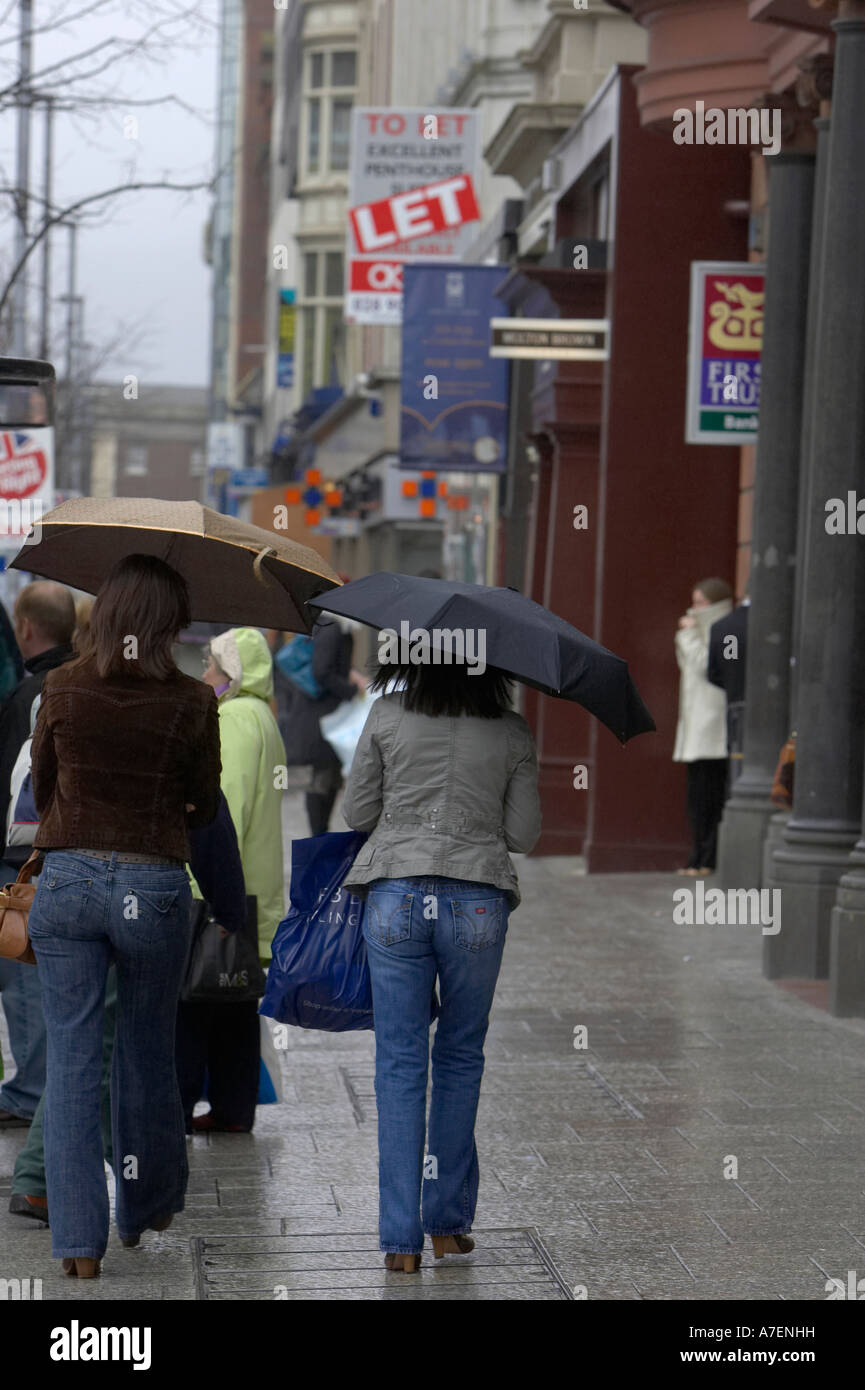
(141, 270)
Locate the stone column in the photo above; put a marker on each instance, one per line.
(826, 815)
(776, 485)
(847, 922)
(815, 86)
(847, 937)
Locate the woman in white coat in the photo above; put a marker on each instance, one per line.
(701, 733)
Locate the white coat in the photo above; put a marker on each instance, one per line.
(702, 728)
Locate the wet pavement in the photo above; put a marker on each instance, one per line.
(706, 1143)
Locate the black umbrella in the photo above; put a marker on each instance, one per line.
(520, 637)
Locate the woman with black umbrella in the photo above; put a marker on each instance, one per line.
(445, 778)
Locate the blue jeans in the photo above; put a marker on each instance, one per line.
(21, 993)
(87, 913)
(415, 929)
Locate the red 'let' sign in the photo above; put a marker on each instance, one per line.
(437, 207)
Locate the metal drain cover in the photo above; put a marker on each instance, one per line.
(508, 1263)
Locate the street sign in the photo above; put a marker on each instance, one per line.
(725, 343)
(285, 348)
(250, 477)
(412, 196)
(576, 340)
(225, 444)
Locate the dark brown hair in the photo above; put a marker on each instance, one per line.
(714, 589)
(83, 609)
(142, 599)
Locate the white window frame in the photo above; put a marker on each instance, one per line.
(132, 464)
(326, 96)
(319, 302)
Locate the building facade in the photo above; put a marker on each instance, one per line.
(578, 112)
(236, 242)
(806, 667)
(153, 446)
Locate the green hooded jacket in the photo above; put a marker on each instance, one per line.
(252, 752)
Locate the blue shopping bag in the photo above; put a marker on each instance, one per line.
(319, 975)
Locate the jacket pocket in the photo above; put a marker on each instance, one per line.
(479, 923)
(388, 916)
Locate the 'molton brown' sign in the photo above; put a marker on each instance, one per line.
(583, 340)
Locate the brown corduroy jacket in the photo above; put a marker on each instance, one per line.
(116, 760)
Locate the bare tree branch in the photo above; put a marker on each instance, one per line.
(54, 22)
(75, 103)
(156, 38)
(69, 212)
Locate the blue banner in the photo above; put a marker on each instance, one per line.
(454, 408)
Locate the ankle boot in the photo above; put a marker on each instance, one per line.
(452, 1245)
(409, 1264)
(82, 1266)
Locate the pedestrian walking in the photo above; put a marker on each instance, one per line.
(225, 1038)
(44, 619)
(336, 681)
(215, 862)
(701, 731)
(445, 779)
(728, 650)
(125, 758)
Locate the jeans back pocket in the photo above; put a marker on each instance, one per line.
(63, 896)
(150, 912)
(479, 923)
(388, 916)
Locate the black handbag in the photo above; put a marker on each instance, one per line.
(223, 969)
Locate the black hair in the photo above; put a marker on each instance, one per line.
(435, 689)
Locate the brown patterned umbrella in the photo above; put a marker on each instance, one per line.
(237, 574)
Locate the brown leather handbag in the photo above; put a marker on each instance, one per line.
(16, 899)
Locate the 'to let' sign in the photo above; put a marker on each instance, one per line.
(436, 207)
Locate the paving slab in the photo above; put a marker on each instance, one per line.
(601, 1166)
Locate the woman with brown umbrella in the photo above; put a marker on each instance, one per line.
(125, 758)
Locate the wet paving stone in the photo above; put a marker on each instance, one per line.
(506, 1264)
(601, 1167)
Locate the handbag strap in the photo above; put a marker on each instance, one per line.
(31, 866)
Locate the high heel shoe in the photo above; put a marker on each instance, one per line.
(82, 1266)
(162, 1223)
(452, 1245)
(409, 1264)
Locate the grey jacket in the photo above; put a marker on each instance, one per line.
(442, 796)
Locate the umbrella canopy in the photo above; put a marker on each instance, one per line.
(521, 637)
(237, 574)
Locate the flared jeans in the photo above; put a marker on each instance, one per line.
(88, 912)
